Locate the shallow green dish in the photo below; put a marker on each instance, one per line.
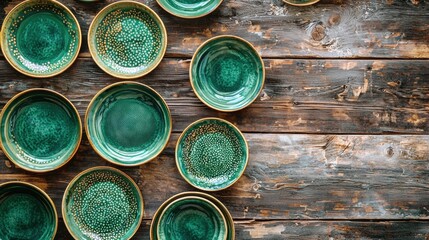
(301, 2)
(127, 39)
(189, 8)
(40, 38)
(222, 208)
(40, 130)
(227, 73)
(128, 123)
(192, 217)
(102, 203)
(27, 212)
(211, 154)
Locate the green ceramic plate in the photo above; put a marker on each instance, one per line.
(227, 73)
(127, 39)
(40, 38)
(40, 130)
(222, 208)
(189, 8)
(102, 203)
(128, 123)
(192, 217)
(301, 2)
(27, 213)
(211, 154)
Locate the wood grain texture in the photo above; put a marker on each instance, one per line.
(300, 96)
(329, 29)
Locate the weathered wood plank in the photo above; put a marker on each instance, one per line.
(289, 176)
(332, 28)
(300, 96)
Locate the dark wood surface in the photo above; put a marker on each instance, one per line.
(339, 138)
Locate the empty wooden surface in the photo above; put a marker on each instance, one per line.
(339, 137)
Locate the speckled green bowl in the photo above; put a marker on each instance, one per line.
(211, 154)
(127, 39)
(227, 73)
(40, 38)
(189, 8)
(27, 212)
(128, 123)
(222, 208)
(40, 130)
(102, 203)
(192, 217)
(301, 2)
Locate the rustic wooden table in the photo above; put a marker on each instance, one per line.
(339, 144)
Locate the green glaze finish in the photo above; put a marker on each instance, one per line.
(40, 130)
(26, 213)
(127, 39)
(189, 8)
(102, 203)
(211, 154)
(40, 38)
(216, 202)
(227, 73)
(128, 123)
(192, 218)
(301, 2)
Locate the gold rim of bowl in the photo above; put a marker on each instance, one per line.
(90, 106)
(198, 198)
(301, 4)
(44, 194)
(66, 192)
(188, 17)
(93, 52)
(11, 62)
(65, 99)
(228, 216)
(192, 80)
(180, 139)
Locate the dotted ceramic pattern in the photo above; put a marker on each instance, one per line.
(127, 39)
(211, 154)
(102, 203)
(46, 55)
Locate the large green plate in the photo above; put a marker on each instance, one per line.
(189, 8)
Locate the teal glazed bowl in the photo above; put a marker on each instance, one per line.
(227, 73)
(127, 39)
(222, 208)
(189, 8)
(192, 217)
(40, 38)
(102, 203)
(40, 130)
(27, 212)
(211, 154)
(301, 2)
(128, 123)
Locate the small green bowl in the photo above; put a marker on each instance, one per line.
(102, 203)
(192, 217)
(189, 8)
(227, 73)
(40, 38)
(301, 3)
(40, 130)
(27, 212)
(211, 154)
(222, 208)
(127, 39)
(128, 123)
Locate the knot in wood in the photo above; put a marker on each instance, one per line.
(318, 32)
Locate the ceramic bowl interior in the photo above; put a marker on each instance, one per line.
(222, 208)
(102, 203)
(189, 8)
(301, 2)
(227, 73)
(127, 39)
(211, 154)
(40, 130)
(26, 212)
(192, 217)
(128, 123)
(40, 38)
